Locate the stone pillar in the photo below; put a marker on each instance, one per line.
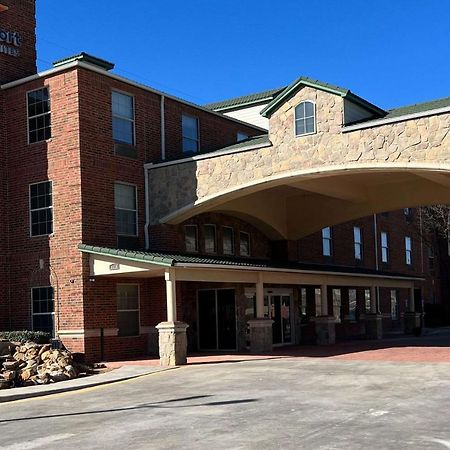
(172, 343)
(172, 334)
(324, 299)
(374, 326)
(261, 340)
(325, 330)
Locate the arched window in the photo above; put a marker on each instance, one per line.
(305, 118)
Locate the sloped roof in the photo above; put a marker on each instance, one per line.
(418, 108)
(244, 100)
(288, 92)
(174, 259)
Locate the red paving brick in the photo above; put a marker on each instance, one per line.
(426, 349)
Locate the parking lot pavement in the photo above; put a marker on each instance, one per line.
(261, 404)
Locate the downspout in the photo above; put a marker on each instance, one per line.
(163, 129)
(375, 231)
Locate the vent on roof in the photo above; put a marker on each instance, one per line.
(88, 59)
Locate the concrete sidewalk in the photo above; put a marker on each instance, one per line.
(119, 374)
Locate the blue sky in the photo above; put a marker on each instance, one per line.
(391, 52)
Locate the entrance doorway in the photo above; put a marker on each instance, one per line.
(280, 313)
(216, 319)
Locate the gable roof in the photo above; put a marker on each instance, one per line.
(290, 91)
(245, 100)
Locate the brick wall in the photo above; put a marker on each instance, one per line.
(19, 18)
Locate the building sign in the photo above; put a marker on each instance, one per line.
(10, 42)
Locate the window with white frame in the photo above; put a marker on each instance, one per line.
(394, 305)
(43, 309)
(352, 304)
(128, 309)
(39, 116)
(357, 240)
(305, 118)
(408, 251)
(303, 301)
(41, 208)
(326, 241)
(210, 238)
(228, 240)
(191, 238)
(125, 201)
(190, 134)
(367, 300)
(123, 118)
(244, 243)
(241, 136)
(336, 293)
(384, 247)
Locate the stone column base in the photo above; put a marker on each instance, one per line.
(172, 343)
(374, 326)
(411, 321)
(261, 340)
(325, 330)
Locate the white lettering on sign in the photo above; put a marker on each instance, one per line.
(114, 267)
(10, 41)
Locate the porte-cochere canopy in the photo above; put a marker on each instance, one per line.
(290, 186)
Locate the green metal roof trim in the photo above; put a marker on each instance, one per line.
(173, 259)
(85, 57)
(244, 100)
(418, 108)
(290, 91)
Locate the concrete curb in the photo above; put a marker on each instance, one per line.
(121, 374)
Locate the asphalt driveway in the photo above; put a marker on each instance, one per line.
(264, 404)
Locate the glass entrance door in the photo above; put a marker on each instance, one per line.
(280, 313)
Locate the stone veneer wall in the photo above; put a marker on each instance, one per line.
(423, 140)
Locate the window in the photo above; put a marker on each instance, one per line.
(191, 238)
(337, 304)
(241, 136)
(305, 118)
(318, 301)
(326, 241)
(123, 118)
(126, 209)
(210, 239)
(39, 117)
(357, 238)
(228, 241)
(43, 309)
(430, 257)
(190, 134)
(408, 251)
(384, 247)
(303, 301)
(367, 300)
(41, 208)
(394, 305)
(407, 211)
(352, 304)
(128, 309)
(244, 244)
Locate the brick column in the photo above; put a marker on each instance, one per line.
(325, 324)
(411, 319)
(374, 320)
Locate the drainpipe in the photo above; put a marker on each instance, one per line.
(147, 208)
(375, 230)
(163, 129)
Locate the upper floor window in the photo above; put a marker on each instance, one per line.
(357, 238)
(128, 322)
(244, 244)
(228, 240)
(41, 208)
(408, 250)
(191, 238)
(326, 241)
(305, 118)
(384, 247)
(241, 136)
(210, 239)
(125, 202)
(123, 118)
(190, 134)
(39, 117)
(43, 309)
